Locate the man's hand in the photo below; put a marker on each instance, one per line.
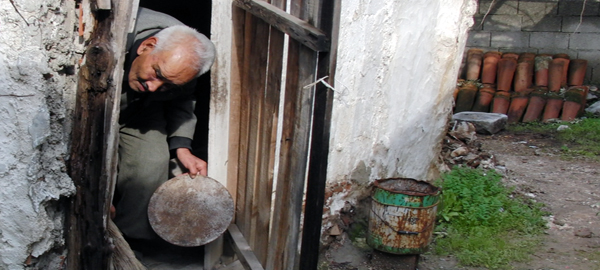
(194, 164)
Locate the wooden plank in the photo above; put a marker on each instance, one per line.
(254, 83)
(264, 157)
(113, 108)
(237, 54)
(283, 246)
(261, 210)
(296, 28)
(242, 248)
(93, 153)
(328, 19)
(213, 252)
(244, 199)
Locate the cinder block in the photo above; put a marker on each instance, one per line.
(578, 24)
(594, 75)
(502, 23)
(510, 39)
(575, 7)
(549, 40)
(479, 39)
(517, 50)
(592, 56)
(572, 53)
(537, 9)
(542, 24)
(584, 41)
(499, 7)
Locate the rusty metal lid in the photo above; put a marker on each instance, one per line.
(190, 212)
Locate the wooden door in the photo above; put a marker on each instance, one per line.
(269, 215)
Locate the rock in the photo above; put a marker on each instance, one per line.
(562, 127)
(594, 108)
(559, 222)
(463, 131)
(335, 230)
(485, 123)
(584, 233)
(461, 151)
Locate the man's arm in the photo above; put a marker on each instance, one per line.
(181, 122)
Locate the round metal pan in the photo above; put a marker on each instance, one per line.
(190, 212)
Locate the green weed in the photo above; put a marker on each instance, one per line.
(484, 224)
(593, 256)
(581, 138)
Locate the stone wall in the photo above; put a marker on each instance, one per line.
(37, 67)
(540, 26)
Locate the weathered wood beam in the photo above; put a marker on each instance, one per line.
(92, 164)
(296, 28)
(326, 17)
(242, 249)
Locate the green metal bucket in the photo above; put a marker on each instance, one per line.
(402, 215)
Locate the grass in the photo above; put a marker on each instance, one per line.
(482, 223)
(593, 256)
(581, 138)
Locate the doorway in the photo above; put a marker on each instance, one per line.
(196, 14)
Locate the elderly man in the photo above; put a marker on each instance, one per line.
(157, 120)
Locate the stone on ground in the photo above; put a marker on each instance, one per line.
(485, 123)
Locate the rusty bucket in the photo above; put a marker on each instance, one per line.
(402, 215)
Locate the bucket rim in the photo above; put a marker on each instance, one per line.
(434, 189)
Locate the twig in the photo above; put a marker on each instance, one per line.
(580, 16)
(13, 95)
(322, 80)
(487, 12)
(17, 10)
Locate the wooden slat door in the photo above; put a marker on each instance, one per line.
(271, 223)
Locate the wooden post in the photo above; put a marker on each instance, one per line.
(95, 136)
(328, 21)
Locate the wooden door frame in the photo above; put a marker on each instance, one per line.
(93, 158)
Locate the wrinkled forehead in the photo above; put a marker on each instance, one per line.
(176, 65)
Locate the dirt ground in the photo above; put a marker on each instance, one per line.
(570, 190)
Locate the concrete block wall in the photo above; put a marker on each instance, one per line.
(540, 26)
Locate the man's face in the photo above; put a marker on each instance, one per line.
(159, 71)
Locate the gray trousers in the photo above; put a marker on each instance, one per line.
(143, 167)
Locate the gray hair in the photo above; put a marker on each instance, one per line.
(201, 47)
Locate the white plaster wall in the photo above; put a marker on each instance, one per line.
(36, 93)
(396, 70)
